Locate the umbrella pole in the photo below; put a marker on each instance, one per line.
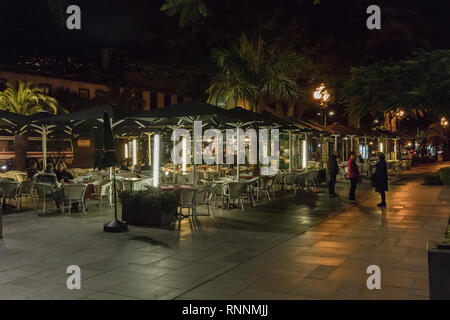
(115, 225)
(115, 193)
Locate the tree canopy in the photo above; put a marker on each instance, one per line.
(418, 84)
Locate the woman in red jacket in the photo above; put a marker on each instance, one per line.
(352, 175)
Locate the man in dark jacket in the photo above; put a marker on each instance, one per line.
(381, 179)
(332, 170)
(353, 175)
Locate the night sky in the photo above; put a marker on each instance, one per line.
(141, 30)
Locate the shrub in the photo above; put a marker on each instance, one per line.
(432, 179)
(444, 174)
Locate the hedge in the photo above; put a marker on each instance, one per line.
(444, 174)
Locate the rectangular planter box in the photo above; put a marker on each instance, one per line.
(145, 216)
(439, 271)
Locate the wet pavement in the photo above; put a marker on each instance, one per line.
(303, 246)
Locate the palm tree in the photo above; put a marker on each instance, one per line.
(126, 100)
(25, 100)
(255, 74)
(189, 9)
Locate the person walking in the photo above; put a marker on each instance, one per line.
(353, 175)
(381, 178)
(333, 169)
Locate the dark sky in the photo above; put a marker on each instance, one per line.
(28, 25)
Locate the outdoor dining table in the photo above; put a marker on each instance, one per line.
(173, 188)
(131, 181)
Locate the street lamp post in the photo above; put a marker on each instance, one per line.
(322, 96)
(444, 124)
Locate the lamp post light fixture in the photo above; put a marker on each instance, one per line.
(444, 124)
(322, 96)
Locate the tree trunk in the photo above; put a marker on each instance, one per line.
(20, 147)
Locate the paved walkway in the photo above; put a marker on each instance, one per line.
(297, 247)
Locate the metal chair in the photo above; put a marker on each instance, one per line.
(44, 192)
(74, 193)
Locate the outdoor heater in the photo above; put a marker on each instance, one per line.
(156, 145)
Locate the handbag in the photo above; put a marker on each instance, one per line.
(372, 179)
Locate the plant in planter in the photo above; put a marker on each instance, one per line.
(154, 208)
(444, 174)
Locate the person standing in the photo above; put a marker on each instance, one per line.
(333, 169)
(32, 170)
(353, 175)
(381, 178)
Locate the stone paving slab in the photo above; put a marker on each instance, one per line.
(307, 246)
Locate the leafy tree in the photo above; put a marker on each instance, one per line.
(416, 85)
(253, 73)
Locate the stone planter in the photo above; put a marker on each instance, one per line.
(145, 216)
(439, 270)
(148, 208)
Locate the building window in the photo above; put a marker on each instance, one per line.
(84, 143)
(180, 99)
(84, 93)
(3, 84)
(46, 88)
(153, 100)
(167, 101)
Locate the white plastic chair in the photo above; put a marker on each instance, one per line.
(11, 191)
(44, 192)
(74, 193)
(106, 191)
(187, 200)
(235, 190)
(265, 186)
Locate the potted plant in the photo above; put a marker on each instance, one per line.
(156, 208)
(438, 267)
